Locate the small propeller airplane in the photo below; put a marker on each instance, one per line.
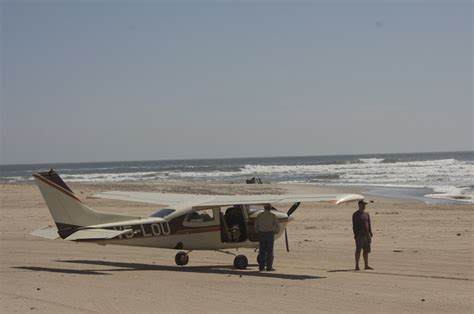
(185, 222)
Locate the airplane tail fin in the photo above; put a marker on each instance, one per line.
(68, 212)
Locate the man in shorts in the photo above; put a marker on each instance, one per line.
(362, 234)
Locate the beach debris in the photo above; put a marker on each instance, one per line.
(423, 300)
(458, 234)
(398, 251)
(38, 289)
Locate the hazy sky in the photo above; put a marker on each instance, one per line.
(98, 81)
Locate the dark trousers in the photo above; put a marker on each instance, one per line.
(265, 251)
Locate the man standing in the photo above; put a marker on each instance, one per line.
(266, 226)
(362, 234)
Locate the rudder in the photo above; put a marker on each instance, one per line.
(67, 210)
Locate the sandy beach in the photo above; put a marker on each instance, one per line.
(422, 258)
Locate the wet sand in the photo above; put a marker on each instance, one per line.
(422, 255)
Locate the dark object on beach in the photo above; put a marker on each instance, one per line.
(397, 251)
(254, 181)
(458, 234)
(422, 300)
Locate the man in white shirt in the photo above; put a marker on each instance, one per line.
(266, 226)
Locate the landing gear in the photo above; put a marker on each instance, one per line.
(181, 258)
(241, 262)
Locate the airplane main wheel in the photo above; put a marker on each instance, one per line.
(182, 258)
(241, 262)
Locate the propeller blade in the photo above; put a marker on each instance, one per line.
(293, 208)
(286, 241)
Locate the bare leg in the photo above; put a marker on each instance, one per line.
(357, 258)
(366, 260)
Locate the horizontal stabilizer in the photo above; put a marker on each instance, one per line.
(48, 232)
(96, 234)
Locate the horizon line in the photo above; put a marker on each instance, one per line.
(231, 158)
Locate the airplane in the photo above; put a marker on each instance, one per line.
(184, 222)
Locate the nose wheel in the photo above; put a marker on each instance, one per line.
(181, 258)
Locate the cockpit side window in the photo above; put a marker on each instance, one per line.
(201, 218)
(202, 215)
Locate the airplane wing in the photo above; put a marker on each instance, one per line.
(198, 200)
(165, 199)
(224, 200)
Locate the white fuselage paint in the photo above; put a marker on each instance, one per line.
(191, 240)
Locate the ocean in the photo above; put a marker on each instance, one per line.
(438, 176)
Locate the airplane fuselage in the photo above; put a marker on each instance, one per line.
(174, 233)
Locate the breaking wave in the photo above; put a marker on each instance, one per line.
(450, 177)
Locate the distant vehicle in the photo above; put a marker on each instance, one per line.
(254, 180)
(185, 222)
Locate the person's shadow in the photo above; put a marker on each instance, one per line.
(122, 266)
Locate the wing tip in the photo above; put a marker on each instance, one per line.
(350, 198)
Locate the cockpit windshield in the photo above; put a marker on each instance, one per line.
(163, 212)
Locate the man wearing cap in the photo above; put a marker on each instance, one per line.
(266, 226)
(362, 234)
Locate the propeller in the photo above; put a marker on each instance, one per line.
(290, 211)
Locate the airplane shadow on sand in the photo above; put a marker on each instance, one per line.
(122, 266)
